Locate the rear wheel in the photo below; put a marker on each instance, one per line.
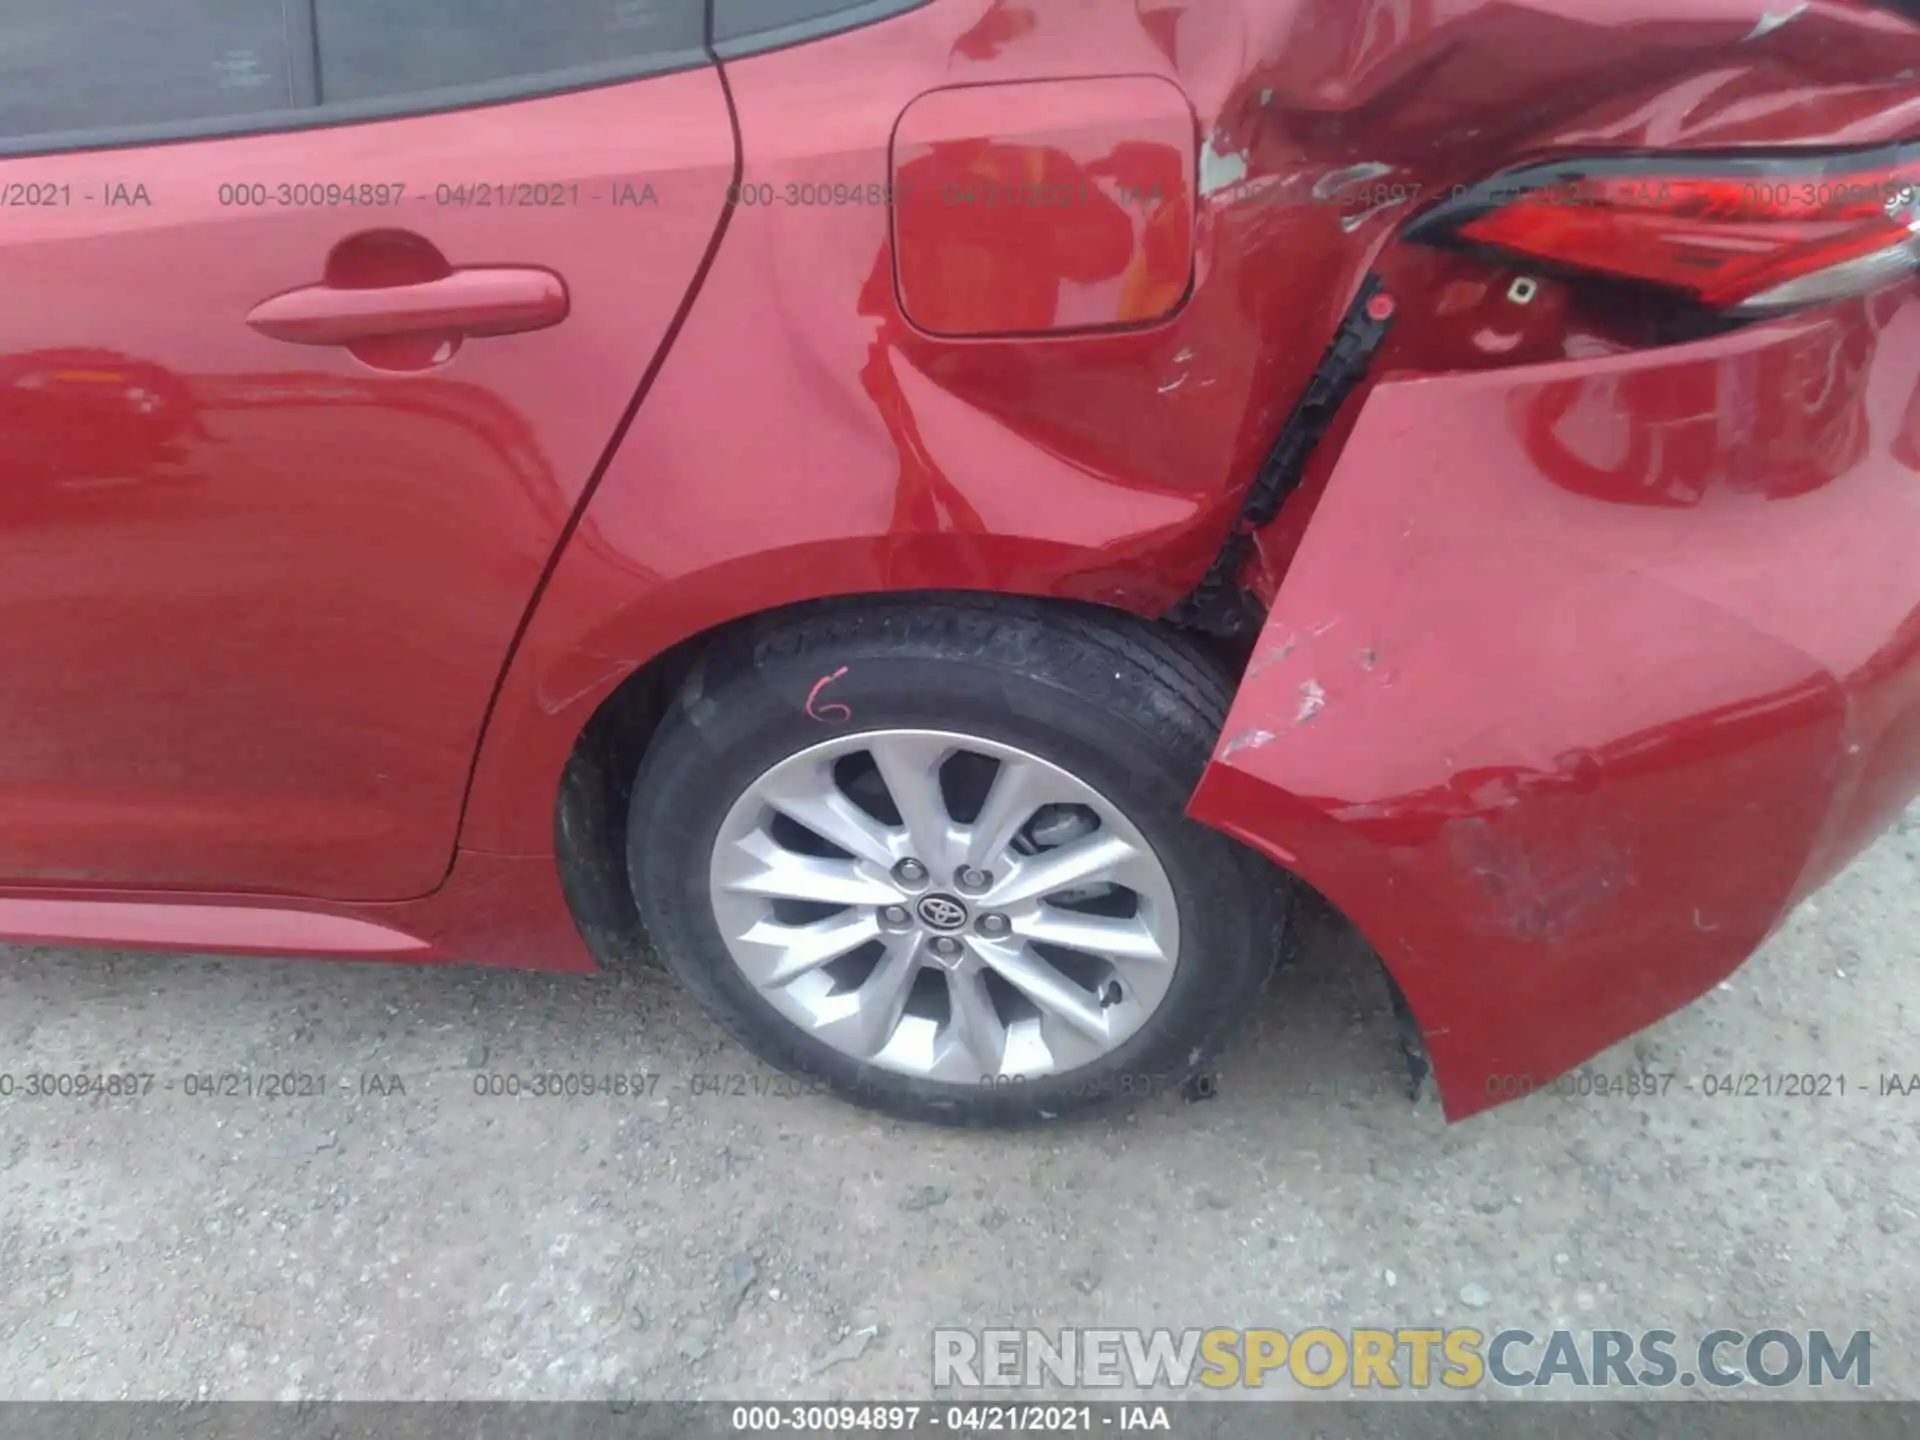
(934, 855)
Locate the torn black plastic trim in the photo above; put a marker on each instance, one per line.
(1217, 604)
(1413, 1044)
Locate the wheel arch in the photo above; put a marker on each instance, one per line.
(594, 790)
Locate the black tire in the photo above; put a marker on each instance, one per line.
(1125, 706)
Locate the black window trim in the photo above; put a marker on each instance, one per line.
(799, 32)
(305, 80)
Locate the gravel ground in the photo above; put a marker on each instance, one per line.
(399, 1236)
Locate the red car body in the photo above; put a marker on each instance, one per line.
(1588, 651)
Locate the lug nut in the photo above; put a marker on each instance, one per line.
(946, 945)
(895, 915)
(972, 879)
(910, 872)
(991, 924)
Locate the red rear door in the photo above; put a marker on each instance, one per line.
(294, 418)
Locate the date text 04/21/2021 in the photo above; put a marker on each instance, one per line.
(968, 1419)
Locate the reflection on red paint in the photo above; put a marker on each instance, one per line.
(1004, 23)
(1028, 208)
(1787, 423)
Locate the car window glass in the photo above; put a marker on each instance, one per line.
(380, 49)
(739, 24)
(116, 63)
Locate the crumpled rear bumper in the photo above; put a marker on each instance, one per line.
(1585, 673)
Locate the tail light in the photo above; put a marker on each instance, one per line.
(1747, 234)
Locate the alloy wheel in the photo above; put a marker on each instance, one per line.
(944, 906)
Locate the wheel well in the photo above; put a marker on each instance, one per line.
(596, 788)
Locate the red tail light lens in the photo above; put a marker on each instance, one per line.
(1735, 233)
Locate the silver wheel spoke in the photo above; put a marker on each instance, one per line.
(1046, 987)
(795, 950)
(1015, 794)
(878, 1003)
(823, 809)
(977, 1028)
(1081, 862)
(910, 766)
(1067, 1045)
(1121, 940)
(765, 869)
